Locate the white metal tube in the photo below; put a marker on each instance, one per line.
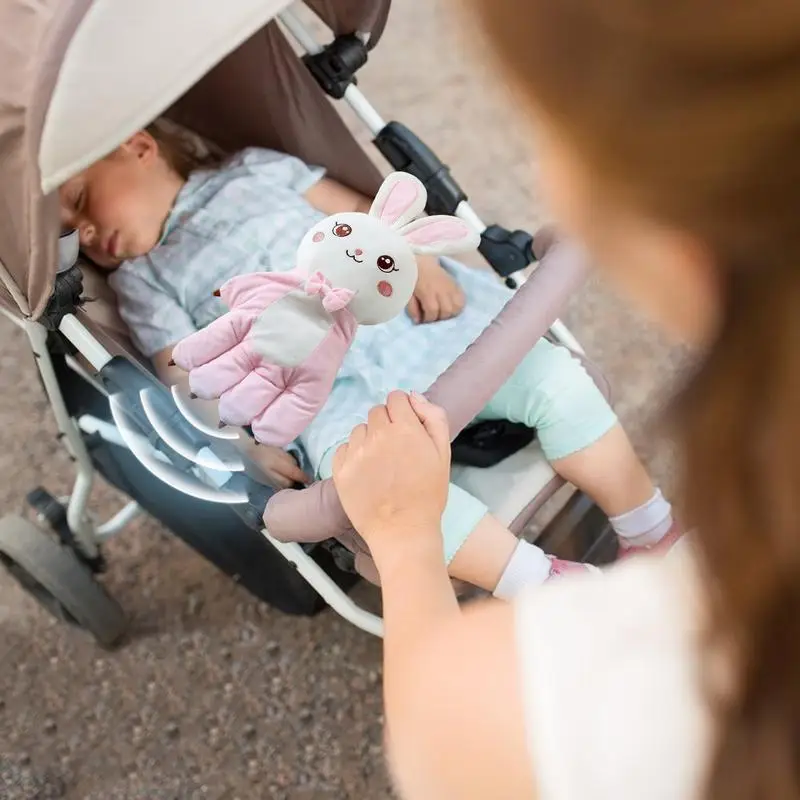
(77, 519)
(107, 431)
(327, 588)
(364, 110)
(78, 368)
(367, 113)
(10, 284)
(15, 318)
(563, 334)
(301, 34)
(466, 212)
(90, 348)
(120, 520)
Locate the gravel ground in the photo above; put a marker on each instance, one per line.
(216, 696)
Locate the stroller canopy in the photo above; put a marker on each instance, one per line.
(77, 77)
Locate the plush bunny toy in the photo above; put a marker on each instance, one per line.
(273, 358)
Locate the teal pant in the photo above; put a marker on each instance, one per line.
(549, 391)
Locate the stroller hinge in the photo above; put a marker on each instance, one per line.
(334, 67)
(506, 251)
(65, 299)
(406, 152)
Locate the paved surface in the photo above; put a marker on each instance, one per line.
(217, 696)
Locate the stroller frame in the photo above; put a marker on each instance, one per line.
(87, 534)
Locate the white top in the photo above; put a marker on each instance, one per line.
(612, 689)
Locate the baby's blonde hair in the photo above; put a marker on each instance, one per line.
(184, 150)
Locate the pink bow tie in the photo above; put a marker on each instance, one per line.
(332, 299)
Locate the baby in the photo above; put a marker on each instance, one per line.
(172, 229)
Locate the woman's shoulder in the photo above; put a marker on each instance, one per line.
(613, 671)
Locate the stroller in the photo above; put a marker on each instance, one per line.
(249, 75)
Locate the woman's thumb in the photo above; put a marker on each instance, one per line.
(434, 420)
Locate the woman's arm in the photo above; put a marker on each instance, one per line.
(452, 691)
(332, 197)
(454, 708)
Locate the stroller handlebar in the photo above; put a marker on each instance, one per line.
(315, 514)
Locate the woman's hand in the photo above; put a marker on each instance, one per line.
(437, 296)
(393, 474)
(278, 466)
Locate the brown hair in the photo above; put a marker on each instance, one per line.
(182, 149)
(692, 112)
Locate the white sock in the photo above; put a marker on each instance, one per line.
(528, 566)
(647, 524)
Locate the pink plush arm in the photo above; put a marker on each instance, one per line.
(256, 291)
(246, 296)
(214, 340)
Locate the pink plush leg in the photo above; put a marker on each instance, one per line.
(211, 380)
(248, 399)
(286, 418)
(212, 341)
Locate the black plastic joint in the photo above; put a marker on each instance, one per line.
(335, 66)
(406, 152)
(66, 298)
(506, 251)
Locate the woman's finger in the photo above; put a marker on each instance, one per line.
(339, 458)
(358, 435)
(400, 410)
(377, 418)
(435, 421)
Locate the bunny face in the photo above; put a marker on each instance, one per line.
(373, 255)
(359, 252)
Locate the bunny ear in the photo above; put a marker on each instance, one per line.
(400, 199)
(440, 235)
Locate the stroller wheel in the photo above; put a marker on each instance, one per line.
(58, 581)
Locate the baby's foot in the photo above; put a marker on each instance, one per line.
(628, 547)
(559, 568)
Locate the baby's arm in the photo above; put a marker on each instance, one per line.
(279, 467)
(437, 296)
(331, 197)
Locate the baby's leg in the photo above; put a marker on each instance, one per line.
(478, 548)
(583, 440)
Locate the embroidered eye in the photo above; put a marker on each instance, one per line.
(342, 230)
(386, 264)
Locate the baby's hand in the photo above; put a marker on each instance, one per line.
(279, 467)
(437, 296)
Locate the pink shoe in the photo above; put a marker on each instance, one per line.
(559, 568)
(660, 548)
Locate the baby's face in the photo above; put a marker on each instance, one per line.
(120, 204)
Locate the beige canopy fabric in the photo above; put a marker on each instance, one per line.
(257, 92)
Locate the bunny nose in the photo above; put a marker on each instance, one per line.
(359, 252)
